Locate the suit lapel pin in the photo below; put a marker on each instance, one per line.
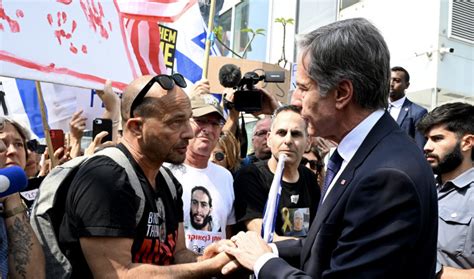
(406, 109)
(343, 182)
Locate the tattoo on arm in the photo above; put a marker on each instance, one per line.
(20, 244)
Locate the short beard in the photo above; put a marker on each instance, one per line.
(175, 159)
(207, 220)
(450, 162)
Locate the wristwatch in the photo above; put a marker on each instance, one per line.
(14, 211)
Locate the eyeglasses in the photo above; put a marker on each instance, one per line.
(260, 133)
(203, 121)
(165, 81)
(219, 156)
(313, 164)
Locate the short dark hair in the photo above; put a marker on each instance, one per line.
(401, 69)
(203, 189)
(456, 117)
(286, 108)
(291, 108)
(354, 50)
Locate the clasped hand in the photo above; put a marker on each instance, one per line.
(242, 250)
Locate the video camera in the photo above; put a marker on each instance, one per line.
(247, 97)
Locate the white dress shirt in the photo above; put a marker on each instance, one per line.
(396, 107)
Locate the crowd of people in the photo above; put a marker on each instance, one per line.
(373, 185)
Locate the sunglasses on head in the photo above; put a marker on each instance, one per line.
(219, 156)
(165, 81)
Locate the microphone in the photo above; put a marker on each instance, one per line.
(229, 75)
(12, 180)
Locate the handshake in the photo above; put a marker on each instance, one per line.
(229, 257)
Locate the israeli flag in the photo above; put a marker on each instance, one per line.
(271, 208)
(191, 43)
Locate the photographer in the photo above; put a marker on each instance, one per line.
(241, 95)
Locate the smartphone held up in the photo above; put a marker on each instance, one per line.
(102, 124)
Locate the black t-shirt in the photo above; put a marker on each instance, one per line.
(29, 194)
(101, 202)
(298, 200)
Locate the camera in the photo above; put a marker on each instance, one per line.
(446, 50)
(247, 97)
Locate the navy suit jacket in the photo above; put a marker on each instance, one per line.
(379, 220)
(410, 115)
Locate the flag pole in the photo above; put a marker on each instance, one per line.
(271, 207)
(47, 136)
(210, 27)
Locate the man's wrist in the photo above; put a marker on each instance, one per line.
(261, 261)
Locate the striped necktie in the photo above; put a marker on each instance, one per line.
(334, 165)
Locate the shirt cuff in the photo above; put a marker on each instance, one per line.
(274, 249)
(263, 259)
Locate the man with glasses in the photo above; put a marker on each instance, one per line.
(261, 151)
(99, 233)
(197, 170)
(300, 192)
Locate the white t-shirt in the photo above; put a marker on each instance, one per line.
(211, 215)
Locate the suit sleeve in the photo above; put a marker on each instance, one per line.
(290, 250)
(380, 216)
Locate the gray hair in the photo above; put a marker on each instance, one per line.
(354, 50)
(24, 133)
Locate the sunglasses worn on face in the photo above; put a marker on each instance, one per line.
(313, 164)
(165, 81)
(32, 145)
(219, 156)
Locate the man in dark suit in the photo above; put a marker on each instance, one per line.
(405, 112)
(378, 216)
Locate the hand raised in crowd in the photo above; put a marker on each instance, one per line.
(323, 145)
(77, 125)
(201, 87)
(233, 119)
(96, 144)
(110, 99)
(269, 103)
(112, 107)
(62, 155)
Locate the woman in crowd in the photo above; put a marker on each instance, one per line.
(227, 152)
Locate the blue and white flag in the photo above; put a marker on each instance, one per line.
(271, 208)
(191, 43)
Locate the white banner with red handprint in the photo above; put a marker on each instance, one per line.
(83, 42)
